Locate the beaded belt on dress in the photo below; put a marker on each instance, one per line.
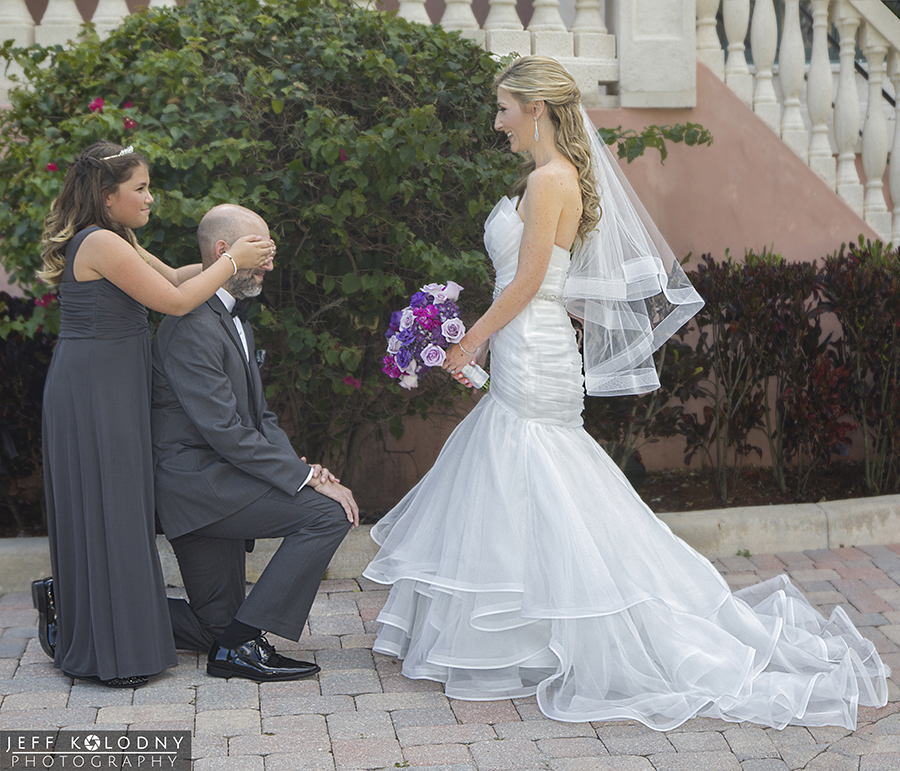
(554, 298)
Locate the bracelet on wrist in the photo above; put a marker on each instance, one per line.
(233, 263)
(467, 353)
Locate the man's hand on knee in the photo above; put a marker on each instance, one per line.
(339, 493)
(321, 473)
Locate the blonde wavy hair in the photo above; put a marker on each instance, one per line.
(540, 78)
(94, 174)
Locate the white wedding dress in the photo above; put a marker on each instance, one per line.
(524, 562)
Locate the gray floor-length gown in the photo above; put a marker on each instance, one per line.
(98, 476)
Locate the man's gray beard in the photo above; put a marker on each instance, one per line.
(242, 285)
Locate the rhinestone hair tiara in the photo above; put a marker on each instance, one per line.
(124, 151)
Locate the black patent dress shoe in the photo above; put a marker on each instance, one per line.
(42, 597)
(256, 660)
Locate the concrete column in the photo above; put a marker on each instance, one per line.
(657, 53)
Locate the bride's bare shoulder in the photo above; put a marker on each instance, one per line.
(554, 178)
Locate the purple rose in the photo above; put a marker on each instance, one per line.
(403, 358)
(406, 336)
(418, 300)
(432, 356)
(395, 320)
(453, 329)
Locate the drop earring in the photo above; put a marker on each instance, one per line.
(537, 135)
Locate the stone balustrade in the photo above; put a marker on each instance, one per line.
(584, 45)
(830, 132)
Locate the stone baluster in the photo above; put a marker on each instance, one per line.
(875, 137)
(17, 25)
(819, 85)
(591, 37)
(414, 10)
(709, 50)
(109, 15)
(764, 43)
(588, 17)
(792, 67)
(59, 25)
(894, 168)
(458, 17)
(846, 109)
(736, 14)
(503, 30)
(549, 36)
(546, 17)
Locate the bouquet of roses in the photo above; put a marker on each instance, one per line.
(419, 334)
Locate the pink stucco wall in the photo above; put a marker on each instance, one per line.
(748, 190)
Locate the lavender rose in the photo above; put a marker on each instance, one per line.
(394, 344)
(409, 381)
(453, 330)
(406, 318)
(432, 356)
(452, 291)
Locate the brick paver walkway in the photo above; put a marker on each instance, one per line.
(360, 713)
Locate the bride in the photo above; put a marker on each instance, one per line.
(523, 562)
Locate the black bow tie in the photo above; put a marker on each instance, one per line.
(240, 309)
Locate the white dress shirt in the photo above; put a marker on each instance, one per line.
(228, 301)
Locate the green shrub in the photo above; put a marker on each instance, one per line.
(24, 358)
(861, 286)
(364, 140)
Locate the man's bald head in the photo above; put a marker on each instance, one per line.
(227, 223)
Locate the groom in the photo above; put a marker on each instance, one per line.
(225, 473)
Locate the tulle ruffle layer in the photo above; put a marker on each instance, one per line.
(524, 563)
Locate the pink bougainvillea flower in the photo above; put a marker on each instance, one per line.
(96, 105)
(343, 156)
(52, 167)
(46, 301)
(127, 105)
(352, 381)
(129, 123)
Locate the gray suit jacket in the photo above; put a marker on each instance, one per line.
(216, 446)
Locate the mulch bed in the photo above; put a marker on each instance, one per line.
(695, 490)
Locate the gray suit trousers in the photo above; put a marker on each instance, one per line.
(212, 563)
